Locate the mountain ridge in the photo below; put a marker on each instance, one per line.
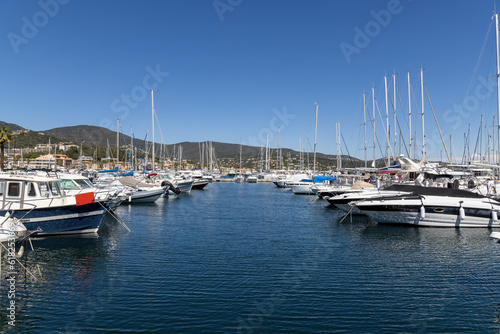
(91, 135)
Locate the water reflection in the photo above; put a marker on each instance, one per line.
(59, 268)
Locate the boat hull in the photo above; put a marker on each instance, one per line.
(184, 186)
(199, 184)
(433, 212)
(302, 189)
(144, 196)
(69, 219)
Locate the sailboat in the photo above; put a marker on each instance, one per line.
(239, 178)
(303, 187)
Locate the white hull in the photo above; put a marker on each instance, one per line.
(184, 186)
(349, 209)
(437, 211)
(252, 179)
(302, 188)
(145, 196)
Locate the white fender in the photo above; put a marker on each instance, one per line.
(422, 212)
(461, 213)
(494, 215)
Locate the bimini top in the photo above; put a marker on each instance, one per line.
(319, 179)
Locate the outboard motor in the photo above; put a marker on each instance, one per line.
(170, 186)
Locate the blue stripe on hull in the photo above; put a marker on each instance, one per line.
(63, 220)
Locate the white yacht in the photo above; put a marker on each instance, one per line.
(431, 206)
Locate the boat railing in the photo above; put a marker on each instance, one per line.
(8, 207)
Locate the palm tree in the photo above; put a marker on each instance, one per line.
(6, 136)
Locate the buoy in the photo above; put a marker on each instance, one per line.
(461, 213)
(20, 252)
(422, 212)
(494, 215)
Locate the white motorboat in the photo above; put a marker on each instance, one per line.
(42, 207)
(140, 192)
(429, 206)
(199, 183)
(284, 182)
(302, 187)
(252, 179)
(343, 199)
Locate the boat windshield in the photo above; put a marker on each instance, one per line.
(65, 184)
(84, 184)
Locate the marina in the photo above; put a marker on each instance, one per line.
(182, 168)
(254, 258)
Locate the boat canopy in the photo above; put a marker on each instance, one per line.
(109, 170)
(319, 179)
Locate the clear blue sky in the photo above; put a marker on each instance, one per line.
(235, 70)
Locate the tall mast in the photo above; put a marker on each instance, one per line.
(300, 154)
(117, 139)
(267, 153)
(481, 140)
(240, 159)
(132, 148)
(409, 112)
(498, 78)
(339, 155)
(493, 141)
(386, 120)
(153, 127)
(364, 126)
(373, 121)
(395, 119)
(278, 158)
(423, 127)
(315, 137)
(468, 144)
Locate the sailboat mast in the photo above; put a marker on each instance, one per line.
(278, 158)
(481, 140)
(315, 138)
(423, 127)
(339, 159)
(153, 131)
(267, 153)
(364, 126)
(300, 153)
(132, 149)
(395, 119)
(387, 120)
(117, 141)
(373, 121)
(498, 78)
(409, 113)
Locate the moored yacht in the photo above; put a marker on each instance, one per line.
(430, 206)
(40, 205)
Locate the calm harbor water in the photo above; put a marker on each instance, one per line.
(251, 258)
